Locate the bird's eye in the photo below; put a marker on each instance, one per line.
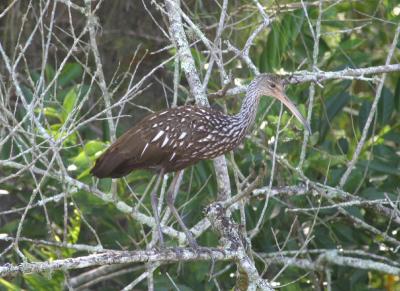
(272, 85)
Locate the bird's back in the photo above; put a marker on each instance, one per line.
(170, 140)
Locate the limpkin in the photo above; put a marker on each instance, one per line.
(176, 138)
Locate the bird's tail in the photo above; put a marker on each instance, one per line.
(100, 170)
(107, 166)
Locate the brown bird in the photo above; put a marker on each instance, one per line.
(176, 138)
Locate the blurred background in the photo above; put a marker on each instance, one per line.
(65, 94)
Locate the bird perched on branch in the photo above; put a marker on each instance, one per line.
(176, 138)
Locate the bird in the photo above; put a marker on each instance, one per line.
(176, 138)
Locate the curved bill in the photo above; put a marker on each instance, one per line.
(290, 105)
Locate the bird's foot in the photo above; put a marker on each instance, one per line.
(199, 249)
(204, 250)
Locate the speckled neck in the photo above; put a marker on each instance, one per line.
(248, 111)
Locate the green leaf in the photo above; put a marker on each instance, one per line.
(344, 232)
(74, 227)
(56, 132)
(351, 43)
(49, 72)
(94, 146)
(84, 174)
(385, 106)
(50, 282)
(381, 167)
(35, 76)
(314, 138)
(343, 145)
(52, 112)
(333, 106)
(69, 102)
(81, 160)
(9, 286)
(392, 136)
(386, 152)
(198, 57)
(363, 116)
(70, 72)
(396, 96)
(372, 193)
(28, 94)
(281, 35)
(354, 179)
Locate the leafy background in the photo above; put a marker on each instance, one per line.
(354, 34)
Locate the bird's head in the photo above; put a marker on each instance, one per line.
(274, 86)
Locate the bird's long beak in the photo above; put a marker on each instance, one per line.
(289, 104)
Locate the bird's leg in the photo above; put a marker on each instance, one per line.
(154, 205)
(173, 189)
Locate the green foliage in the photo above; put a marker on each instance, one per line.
(282, 35)
(353, 35)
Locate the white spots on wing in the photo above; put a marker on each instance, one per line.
(182, 136)
(158, 135)
(207, 138)
(172, 156)
(183, 120)
(162, 113)
(201, 127)
(154, 116)
(144, 149)
(166, 139)
(155, 125)
(189, 145)
(167, 128)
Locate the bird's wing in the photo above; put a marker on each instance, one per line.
(172, 145)
(130, 151)
(160, 140)
(196, 138)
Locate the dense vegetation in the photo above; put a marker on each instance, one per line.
(316, 219)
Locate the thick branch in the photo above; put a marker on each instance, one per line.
(119, 257)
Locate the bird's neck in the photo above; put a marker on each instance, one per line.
(248, 111)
